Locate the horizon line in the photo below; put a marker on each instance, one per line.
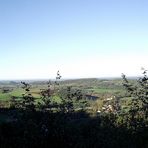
(73, 78)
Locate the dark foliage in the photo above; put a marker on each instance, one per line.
(27, 98)
(43, 129)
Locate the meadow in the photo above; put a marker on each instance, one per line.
(100, 88)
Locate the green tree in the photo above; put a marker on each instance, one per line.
(28, 101)
(138, 112)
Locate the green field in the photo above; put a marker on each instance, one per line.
(102, 88)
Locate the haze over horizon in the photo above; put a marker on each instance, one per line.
(80, 38)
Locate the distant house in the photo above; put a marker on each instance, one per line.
(91, 97)
(111, 98)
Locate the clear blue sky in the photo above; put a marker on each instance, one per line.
(81, 38)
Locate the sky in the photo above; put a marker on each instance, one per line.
(80, 38)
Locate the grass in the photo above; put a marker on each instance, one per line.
(7, 96)
(105, 90)
(18, 93)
